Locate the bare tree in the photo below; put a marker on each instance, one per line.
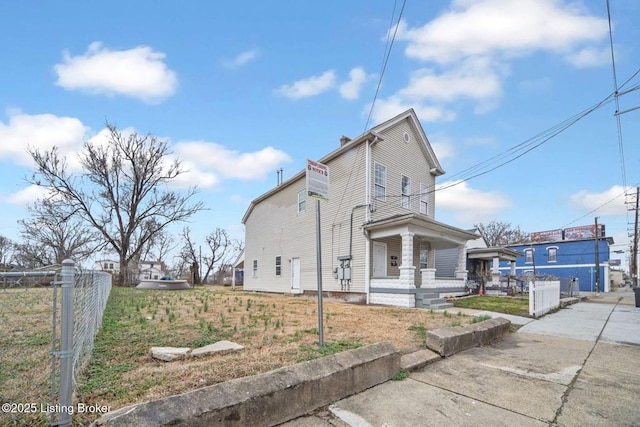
(217, 249)
(498, 233)
(53, 233)
(7, 252)
(121, 191)
(191, 255)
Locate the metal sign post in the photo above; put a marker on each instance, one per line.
(318, 188)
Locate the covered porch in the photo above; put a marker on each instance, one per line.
(402, 264)
(484, 270)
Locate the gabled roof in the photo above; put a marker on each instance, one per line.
(371, 135)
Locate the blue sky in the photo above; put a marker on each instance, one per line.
(243, 88)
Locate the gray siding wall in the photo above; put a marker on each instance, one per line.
(401, 158)
(274, 227)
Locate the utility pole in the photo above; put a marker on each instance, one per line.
(634, 253)
(597, 258)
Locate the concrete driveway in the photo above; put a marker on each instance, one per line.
(577, 367)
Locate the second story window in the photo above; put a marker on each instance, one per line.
(302, 201)
(528, 256)
(424, 199)
(406, 192)
(552, 254)
(380, 182)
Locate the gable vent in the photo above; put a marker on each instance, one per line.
(406, 137)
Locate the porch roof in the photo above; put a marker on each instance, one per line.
(504, 254)
(439, 234)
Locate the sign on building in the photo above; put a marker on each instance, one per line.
(317, 180)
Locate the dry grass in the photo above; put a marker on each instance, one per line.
(25, 360)
(275, 330)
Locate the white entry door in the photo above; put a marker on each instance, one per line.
(295, 274)
(379, 259)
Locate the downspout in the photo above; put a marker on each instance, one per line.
(367, 245)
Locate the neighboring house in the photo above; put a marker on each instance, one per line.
(483, 264)
(378, 228)
(151, 270)
(108, 265)
(566, 254)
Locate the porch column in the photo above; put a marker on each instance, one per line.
(407, 269)
(461, 270)
(495, 265)
(513, 268)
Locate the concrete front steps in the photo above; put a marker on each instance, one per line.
(432, 301)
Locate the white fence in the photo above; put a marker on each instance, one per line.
(544, 296)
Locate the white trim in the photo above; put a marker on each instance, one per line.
(424, 198)
(405, 196)
(304, 193)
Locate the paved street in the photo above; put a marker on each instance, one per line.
(577, 367)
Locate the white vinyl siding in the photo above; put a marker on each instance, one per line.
(406, 191)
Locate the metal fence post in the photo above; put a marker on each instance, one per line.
(66, 343)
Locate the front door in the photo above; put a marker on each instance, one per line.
(295, 274)
(379, 259)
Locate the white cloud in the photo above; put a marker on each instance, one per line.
(394, 105)
(139, 73)
(351, 88)
(39, 131)
(608, 202)
(27, 195)
(474, 78)
(241, 59)
(589, 57)
(311, 86)
(210, 163)
(470, 206)
(506, 27)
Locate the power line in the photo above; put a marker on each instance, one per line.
(385, 61)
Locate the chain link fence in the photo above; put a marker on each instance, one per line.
(49, 319)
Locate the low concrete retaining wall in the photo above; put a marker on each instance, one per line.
(453, 339)
(270, 398)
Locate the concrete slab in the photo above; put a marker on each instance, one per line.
(518, 385)
(418, 359)
(590, 317)
(516, 320)
(622, 327)
(606, 391)
(413, 403)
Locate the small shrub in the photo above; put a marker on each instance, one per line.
(402, 374)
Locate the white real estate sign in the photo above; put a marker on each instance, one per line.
(317, 180)
(318, 188)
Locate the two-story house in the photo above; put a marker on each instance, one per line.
(378, 228)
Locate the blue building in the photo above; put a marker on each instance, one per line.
(573, 258)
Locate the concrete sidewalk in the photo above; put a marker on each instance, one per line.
(579, 366)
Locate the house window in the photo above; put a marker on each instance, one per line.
(552, 254)
(278, 265)
(528, 256)
(424, 199)
(255, 268)
(380, 181)
(406, 191)
(106, 265)
(423, 256)
(302, 201)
